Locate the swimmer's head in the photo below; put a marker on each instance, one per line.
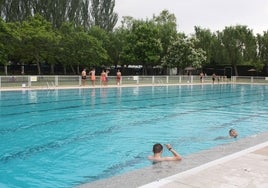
(233, 133)
(157, 148)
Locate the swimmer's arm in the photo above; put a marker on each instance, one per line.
(176, 156)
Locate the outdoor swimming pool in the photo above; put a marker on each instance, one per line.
(64, 138)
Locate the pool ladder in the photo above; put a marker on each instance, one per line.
(51, 86)
(160, 82)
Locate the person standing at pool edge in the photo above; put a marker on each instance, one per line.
(84, 77)
(106, 78)
(103, 78)
(92, 77)
(158, 150)
(213, 77)
(118, 77)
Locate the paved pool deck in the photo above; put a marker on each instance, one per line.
(242, 163)
(100, 86)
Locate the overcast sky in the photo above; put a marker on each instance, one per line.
(209, 14)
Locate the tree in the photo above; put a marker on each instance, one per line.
(15, 10)
(115, 46)
(123, 33)
(239, 44)
(262, 43)
(102, 12)
(143, 45)
(8, 38)
(83, 13)
(218, 53)
(167, 27)
(204, 40)
(36, 38)
(182, 53)
(54, 11)
(57, 12)
(103, 39)
(79, 48)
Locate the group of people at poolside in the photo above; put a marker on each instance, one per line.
(103, 77)
(213, 76)
(158, 150)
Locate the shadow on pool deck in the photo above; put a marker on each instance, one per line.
(223, 166)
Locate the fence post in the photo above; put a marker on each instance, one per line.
(80, 82)
(0, 82)
(152, 79)
(29, 81)
(233, 78)
(167, 79)
(56, 81)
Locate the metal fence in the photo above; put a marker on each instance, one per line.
(76, 81)
(249, 79)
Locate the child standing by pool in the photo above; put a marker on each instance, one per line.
(103, 78)
(118, 77)
(92, 77)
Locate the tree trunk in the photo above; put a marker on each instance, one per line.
(22, 69)
(144, 70)
(73, 69)
(52, 69)
(6, 70)
(235, 69)
(64, 70)
(38, 67)
(77, 69)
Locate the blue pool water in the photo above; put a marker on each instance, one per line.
(65, 138)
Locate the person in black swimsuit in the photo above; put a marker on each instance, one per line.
(84, 77)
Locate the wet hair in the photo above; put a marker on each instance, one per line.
(157, 148)
(230, 131)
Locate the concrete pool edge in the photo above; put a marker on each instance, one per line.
(45, 88)
(191, 172)
(155, 173)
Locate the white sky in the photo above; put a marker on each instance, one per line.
(209, 14)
